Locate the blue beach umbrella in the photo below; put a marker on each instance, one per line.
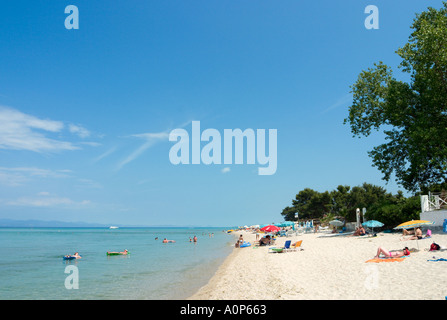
(286, 224)
(372, 224)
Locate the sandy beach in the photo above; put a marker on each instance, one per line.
(330, 267)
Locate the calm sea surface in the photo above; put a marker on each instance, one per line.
(31, 264)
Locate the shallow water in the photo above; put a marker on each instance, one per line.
(32, 265)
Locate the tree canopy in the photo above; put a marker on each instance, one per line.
(343, 201)
(414, 114)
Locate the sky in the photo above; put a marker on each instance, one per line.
(85, 114)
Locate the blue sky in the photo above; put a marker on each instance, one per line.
(85, 114)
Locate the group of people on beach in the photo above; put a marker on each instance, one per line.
(415, 234)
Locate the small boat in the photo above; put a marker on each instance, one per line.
(113, 227)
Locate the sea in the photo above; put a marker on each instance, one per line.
(32, 265)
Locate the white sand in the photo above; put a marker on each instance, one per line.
(330, 268)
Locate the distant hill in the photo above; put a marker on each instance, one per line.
(49, 224)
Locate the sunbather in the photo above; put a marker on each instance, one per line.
(265, 241)
(360, 231)
(392, 254)
(417, 235)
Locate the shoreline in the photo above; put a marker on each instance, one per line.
(330, 267)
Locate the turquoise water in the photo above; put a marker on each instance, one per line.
(31, 264)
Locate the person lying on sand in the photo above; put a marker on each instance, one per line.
(417, 235)
(392, 254)
(406, 232)
(265, 241)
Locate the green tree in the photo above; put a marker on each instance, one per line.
(310, 204)
(343, 201)
(414, 114)
(395, 210)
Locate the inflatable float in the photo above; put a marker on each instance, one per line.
(245, 244)
(109, 253)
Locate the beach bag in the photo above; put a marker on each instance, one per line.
(434, 246)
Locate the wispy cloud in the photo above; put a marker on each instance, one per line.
(88, 183)
(225, 170)
(20, 131)
(45, 199)
(105, 154)
(150, 139)
(340, 102)
(18, 176)
(79, 130)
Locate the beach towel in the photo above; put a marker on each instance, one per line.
(440, 259)
(377, 260)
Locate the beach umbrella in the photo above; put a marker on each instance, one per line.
(413, 224)
(285, 224)
(270, 228)
(336, 223)
(372, 224)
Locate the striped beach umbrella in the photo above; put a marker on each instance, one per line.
(413, 224)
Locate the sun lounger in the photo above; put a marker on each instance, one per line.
(283, 249)
(296, 246)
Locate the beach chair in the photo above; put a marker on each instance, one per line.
(283, 249)
(296, 246)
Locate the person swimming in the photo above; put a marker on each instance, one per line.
(125, 252)
(167, 241)
(73, 256)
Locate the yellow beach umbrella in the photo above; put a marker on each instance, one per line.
(413, 224)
